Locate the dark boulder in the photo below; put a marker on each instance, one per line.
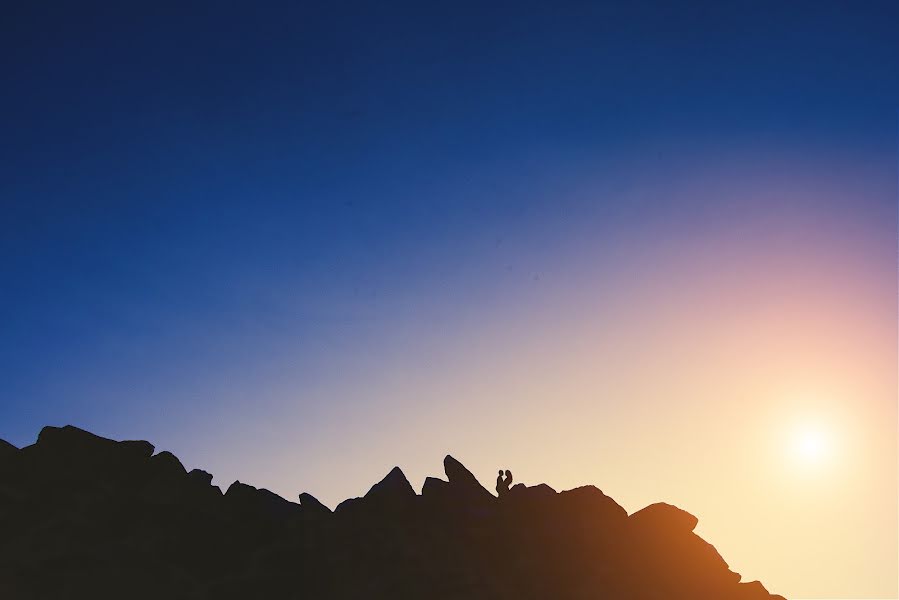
(463, 485)
(200, 476)
(434, 487)
(457, 473)
(675, 556)
(533, 506)
(388, 498)
(67, 458)
(137, 449)
(664, 518)
(276, 505)
(589, 505)
(435, 494)
(199, 488)
(166, 480)
(534, 492)
(350, 506)
(72, 439)
(393, 490)
(166, 466)
(240, 493)
(77, 443)
(461, 495)
(247, 501)
(311, 505)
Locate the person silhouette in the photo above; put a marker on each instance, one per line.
(502, 484)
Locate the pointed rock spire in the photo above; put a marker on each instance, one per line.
(391, 494)
(462, 483)
(393, 486)
(457, 473)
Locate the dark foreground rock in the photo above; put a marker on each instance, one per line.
(86, 517)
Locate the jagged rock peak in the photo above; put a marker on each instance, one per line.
(456, 471)
(462, 481)
(312, 505)
(237, 488)
(393, 486)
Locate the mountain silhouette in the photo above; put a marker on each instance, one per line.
(82, 516)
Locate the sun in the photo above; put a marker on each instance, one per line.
(811, 444)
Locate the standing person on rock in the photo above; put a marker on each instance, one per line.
(503, 484)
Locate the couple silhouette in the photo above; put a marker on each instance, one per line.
(503, 483)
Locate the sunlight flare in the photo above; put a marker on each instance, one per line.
(812, 445)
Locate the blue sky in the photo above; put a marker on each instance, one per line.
(217, 216)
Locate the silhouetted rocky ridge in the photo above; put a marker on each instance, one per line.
(86, 517)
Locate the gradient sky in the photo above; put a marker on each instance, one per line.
(637, 245)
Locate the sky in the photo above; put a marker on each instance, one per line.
(641, 245)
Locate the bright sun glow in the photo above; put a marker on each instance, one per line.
(811, 445)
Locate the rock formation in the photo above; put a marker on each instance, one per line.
(86, 517)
